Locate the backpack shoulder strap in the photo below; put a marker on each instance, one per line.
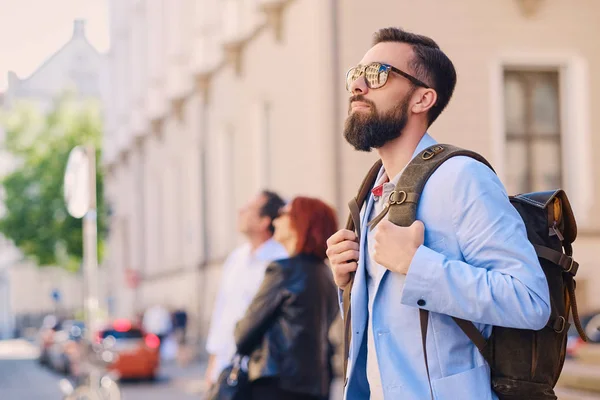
(403, 201)
(355, 204)
(402, 208)
(353, 224)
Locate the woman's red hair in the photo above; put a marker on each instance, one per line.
(314, 222)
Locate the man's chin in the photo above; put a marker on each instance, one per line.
(365, 149)
(360, 146)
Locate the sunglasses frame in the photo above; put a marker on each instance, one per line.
(389, 68)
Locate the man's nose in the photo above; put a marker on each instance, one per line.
(359, 86)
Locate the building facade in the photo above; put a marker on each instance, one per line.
(25, 288)
(212, 100)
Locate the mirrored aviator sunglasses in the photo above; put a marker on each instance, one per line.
(376, 75)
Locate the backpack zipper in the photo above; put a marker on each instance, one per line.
(556, 231)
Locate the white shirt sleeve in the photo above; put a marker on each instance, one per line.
(214, 344)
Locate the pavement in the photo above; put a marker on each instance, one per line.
(22, 378)
(579, 381)
(189, 380)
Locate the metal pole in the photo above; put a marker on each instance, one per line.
(90, 250)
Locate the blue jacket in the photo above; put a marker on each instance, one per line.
(476, 264)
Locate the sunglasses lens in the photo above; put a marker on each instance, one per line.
(352, 75)
(376, 75)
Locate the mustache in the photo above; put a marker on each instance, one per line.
(361, 98)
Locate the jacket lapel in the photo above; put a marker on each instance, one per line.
(360, 300)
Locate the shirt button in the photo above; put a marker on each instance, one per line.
(421, 303)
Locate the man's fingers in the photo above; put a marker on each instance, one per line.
(342, 273)
(341, 247)
(346, 268)
(343, 252)
(340, 236)
(344, 257)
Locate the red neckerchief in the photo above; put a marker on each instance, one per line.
(378, 190)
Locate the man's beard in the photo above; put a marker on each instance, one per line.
(367, 131)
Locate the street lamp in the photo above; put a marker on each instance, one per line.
(80, 198)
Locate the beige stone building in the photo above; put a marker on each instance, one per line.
(212, 100)
(26, 289)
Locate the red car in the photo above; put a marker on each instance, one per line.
(133, 354)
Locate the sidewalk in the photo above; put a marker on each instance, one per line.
(580, 376)
(190, 379)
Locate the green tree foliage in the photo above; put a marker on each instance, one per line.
(35, 216)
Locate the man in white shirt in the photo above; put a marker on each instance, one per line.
(243, 273)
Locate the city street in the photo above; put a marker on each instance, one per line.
(22, 378)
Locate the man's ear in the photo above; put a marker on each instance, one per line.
(425, 100)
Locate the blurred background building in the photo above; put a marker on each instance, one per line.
(28, 292)
(212, 100)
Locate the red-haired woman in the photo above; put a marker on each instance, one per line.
(285, 329)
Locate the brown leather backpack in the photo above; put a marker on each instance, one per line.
(525, 364)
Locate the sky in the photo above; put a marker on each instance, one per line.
(32, 30)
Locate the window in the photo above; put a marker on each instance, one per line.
(533, 136)
(122, 334)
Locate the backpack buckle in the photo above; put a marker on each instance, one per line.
(429, 154)
(559, 325)
(571, 266)
(401, 195)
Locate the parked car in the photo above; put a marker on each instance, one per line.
(64, 347)
(50, 325)
(135, 354)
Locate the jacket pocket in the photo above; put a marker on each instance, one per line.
(473, 384)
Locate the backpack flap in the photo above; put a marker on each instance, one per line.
(561, 221)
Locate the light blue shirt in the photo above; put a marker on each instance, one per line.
(476, 264)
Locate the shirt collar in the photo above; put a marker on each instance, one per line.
(267, 250)
(382, 178)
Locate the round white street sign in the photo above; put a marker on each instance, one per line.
(76, 183)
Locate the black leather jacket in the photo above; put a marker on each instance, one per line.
(285, 329)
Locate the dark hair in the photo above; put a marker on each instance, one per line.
(273, 204)
(314, 222)
(430, 64)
